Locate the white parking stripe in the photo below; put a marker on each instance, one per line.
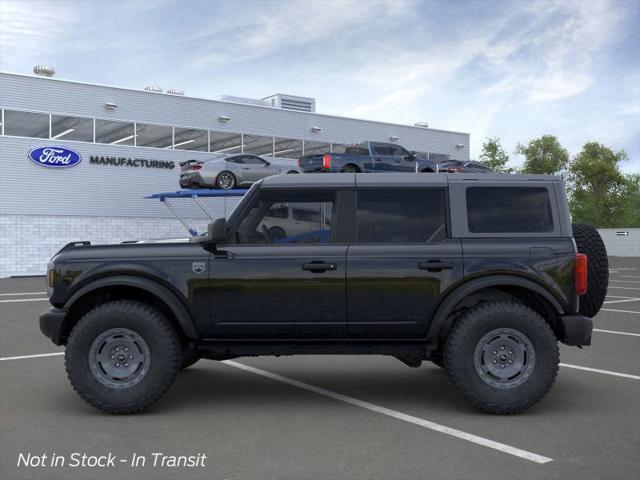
(23, 293)
(622, 269)
(624, 281)
(619, 311)
(622, 301)
(597, 370)
(628, 276)
(485, 442)
(22, 357)
(617, 296)
(25, 300)
(622, 288)
(617, 333)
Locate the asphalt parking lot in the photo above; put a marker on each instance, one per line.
(308, 417)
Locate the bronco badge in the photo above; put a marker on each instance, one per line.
(199, 267)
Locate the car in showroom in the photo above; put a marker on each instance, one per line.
(227, 172)
(368, 157)
(482, 275)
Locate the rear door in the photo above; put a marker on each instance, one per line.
(401, 263)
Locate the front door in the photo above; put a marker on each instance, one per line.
(401, 263)
(284, 274)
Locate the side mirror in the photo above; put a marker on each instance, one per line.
(411, 156)
(217, 230)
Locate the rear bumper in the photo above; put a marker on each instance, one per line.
(53, 324)
(576, 330)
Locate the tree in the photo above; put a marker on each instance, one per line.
(544, 155)
(630, 216)
(494, 156)
(600, 193)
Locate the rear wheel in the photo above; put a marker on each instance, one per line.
(226, 180)
(122, 356)
(349, 169)
(292, 172)
(502, 357)
(589, 242)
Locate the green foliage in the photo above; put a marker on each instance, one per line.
(544, 155)
(600, 194)
(494, 156)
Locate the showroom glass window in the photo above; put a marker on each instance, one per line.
(26, 124)
(289, 217)
(71, 128)
(509, 210)
(114, 132)
(158, 136)
(415, 215)
(287, 148)
(191, 139)
(258, 145)
(225, 142)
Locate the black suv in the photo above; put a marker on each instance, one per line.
(479, 274)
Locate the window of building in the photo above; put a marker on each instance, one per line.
(225, 143)
(287, 148)
(316, 148)
(191, 139)
(400, 216)
(509, 210)
(289, 217)
(258, 145)
(114, 133)
(26, 124)
(158, 136)
(71, 128)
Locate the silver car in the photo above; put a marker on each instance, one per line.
(231, 171)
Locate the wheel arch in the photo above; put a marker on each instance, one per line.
(496, 287)
(355, 166)
(131, 287)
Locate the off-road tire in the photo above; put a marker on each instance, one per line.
(189, 357)
(165, 356)
(588, 241)
(464, 337)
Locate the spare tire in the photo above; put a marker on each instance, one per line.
(589, 242)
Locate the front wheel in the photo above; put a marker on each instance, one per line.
(122, 356)
(502, 357)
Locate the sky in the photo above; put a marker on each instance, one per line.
(510, 69)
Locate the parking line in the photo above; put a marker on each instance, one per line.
(628, 276)
(24, 293)
(25, 300)
(617, 332)
(623, 288)
(485, 442)
(622, 301)
(624, 281)
(22, 357)
(597, 370)
(619, 311)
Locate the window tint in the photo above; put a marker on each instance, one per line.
(509, 210)
(268, 220)
(250, 159)
(239, 159)
(71, 128)
(26, 124)
(396, 216)
(115, 133)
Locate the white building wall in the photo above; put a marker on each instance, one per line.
(621, 245)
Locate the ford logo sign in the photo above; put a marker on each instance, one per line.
(55, 157)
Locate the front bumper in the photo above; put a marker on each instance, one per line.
(54, 324)
(576, 330)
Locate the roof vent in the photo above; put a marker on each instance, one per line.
(44, 71)
(421, 124)
(175, 91)
(153, 88)
(292, 102)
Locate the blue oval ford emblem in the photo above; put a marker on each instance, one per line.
(55, 157)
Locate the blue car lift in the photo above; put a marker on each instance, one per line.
(195, 195)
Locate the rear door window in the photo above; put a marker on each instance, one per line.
(401, 216)
(509, 210)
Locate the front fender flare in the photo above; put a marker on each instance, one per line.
(176, 306)
(440, 322)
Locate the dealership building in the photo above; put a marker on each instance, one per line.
(127, 144)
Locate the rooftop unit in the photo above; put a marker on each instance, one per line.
(291, 102)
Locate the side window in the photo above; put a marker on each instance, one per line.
(252, 160)
(401, 216)
(509, 210)
(235, 159)
(269, 221)
(398, 151)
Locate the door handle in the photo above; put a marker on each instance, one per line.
(435, 266)
(319, 267)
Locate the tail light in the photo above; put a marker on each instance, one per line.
(326, 161)
(580, 273)
(455, 170)
(299, 162)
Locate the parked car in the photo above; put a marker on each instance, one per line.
(368, 157)
(460, 166)
(231, 171)
(481, 274)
